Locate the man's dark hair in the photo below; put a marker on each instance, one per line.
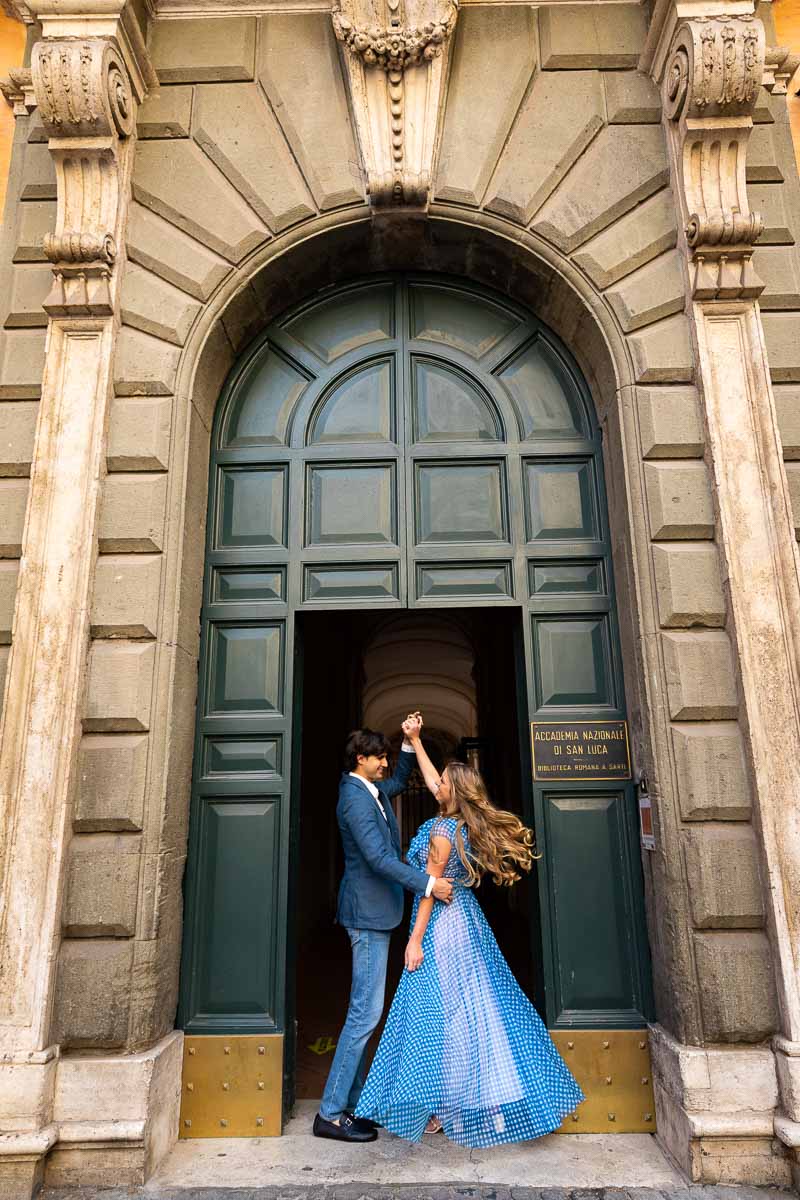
(366, 742)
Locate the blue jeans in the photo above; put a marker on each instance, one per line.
(349, 1069)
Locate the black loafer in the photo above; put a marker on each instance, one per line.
(363, 1122)
(348, 1130)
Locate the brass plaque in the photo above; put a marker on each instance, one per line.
(613, 1068)
(571, 751)
(232, 1086)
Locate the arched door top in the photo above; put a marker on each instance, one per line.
(475, 368)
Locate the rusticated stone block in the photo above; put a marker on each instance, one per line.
(653, 291)
(778, 267)
(631, 98)
(126, 595)
(631, 241)
(722, 873)
(700, 681)
(770, 201)
(603, 35)
(495, 51)
(30, 284)
(132, 513)
(102, 886)
(688, 585)
(662, 353)
(21, 364)
(783, 346)
(17, 430)
(111, 782)
(155, 306)
(787, 410)
(713, 783)
(13, 499)
(194, 50)
(35, 218)
(679, 501)
(592, 196)
(669, 422)
(239, 132)
(166, 113)
(737, 992)
(92, 991)
(763, 157)
(120, 687)
(299, 69)
(793, 483)
(38, 174)
(164, 250)
(559, 118)
(177, 181)
(8, 590)
(144, 365)
(138, 433)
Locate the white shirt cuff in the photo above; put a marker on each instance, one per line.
(407, 748)
(429, 888)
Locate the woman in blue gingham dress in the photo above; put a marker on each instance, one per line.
(463, 1049)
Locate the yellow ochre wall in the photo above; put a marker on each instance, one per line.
(12, 47)
(787, 28)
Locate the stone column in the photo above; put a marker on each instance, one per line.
(88, 74)
(710, 69)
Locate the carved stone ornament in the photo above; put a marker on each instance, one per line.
(86, 107)
(780, 64)
(18, 91)
(395, 63)
(710, 87)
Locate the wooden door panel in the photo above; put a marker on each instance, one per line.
(234, 968)
(592, 919)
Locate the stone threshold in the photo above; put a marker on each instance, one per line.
(416, 1191)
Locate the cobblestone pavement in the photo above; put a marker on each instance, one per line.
(416, 1191)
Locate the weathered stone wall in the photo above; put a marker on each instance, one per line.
(248, 138)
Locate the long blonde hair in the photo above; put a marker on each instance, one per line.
(499, 844)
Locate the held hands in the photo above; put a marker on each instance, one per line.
(412, 726)
(414, 955)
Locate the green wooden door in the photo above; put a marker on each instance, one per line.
(404, 441)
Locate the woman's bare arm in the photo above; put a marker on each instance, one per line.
(412, 730)
(438, 855)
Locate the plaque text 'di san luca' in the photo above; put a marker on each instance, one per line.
(568, 751)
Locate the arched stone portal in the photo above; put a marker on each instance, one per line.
(422, 442)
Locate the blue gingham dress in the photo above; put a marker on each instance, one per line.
(462, 1041)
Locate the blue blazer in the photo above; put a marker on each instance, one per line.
(371, 891)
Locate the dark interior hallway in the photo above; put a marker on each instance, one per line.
(458, 668)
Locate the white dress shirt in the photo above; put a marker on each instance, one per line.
(376, 796)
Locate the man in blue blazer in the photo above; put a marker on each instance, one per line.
(370, 907)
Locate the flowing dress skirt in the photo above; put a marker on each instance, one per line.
(463, 1042)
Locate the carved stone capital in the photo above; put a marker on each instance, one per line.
(82, 88)
(710, 85)
(395, 67)
(88, 109)
(18, 91)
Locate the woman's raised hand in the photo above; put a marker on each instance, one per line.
(412, 726)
